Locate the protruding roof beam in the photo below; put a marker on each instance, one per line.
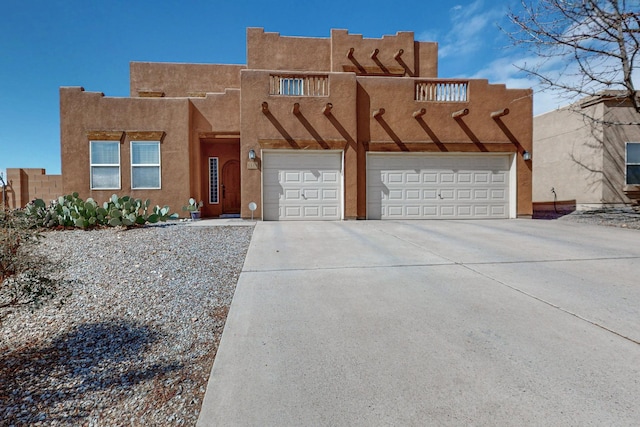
(419, 113)
(379, 112)
(350, 53)
(398, 54)
(460, 113)
(265, 107)
(499, 113)
(374, 53)
(296, 109)
(326, 110)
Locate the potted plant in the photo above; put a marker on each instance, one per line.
(194, 208)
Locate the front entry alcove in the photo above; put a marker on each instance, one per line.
(220, 180)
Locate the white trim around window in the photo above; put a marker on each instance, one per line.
(104, 165)
(145, 165)
(632, 163)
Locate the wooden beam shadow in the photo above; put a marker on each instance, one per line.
(281, 129)
(431, 134)
(341, 129)
(381, 65)
(357, 64)
(508, 133)
(472, 136)
(312, 131)
(391, 133)
(405, 66)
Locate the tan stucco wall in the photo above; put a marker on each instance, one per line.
(181, 80)
(204, 108)
(614, 150)
(215, 116)
(86, 112)
(437, 131)
(281, 129)
(270, 51)
(568, 157)
(419, 59)
(27, 184)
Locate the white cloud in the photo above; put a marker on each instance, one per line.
(468, 26)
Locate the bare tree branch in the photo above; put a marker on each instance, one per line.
(597, 41)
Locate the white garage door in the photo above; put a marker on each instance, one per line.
(302, 186)
(408, 186)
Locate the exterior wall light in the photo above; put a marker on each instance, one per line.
(526, 155)
(252, 154)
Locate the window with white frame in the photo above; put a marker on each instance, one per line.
(145, 164)
(213, 181)
(292, 86)
(633, 163)
(105, 165)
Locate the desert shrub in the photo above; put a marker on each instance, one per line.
(26, 278)
(72, 211)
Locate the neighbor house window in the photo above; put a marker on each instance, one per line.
(213, 180)
(105, 165)
(633, 163)
(292, 86)
(145, 165)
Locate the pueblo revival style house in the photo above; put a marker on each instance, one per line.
(334, 128)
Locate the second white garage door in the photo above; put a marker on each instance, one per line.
(409, 186)
(302, 186)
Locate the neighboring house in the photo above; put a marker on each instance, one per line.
(25, 184)
(311, 128)
(586, 163)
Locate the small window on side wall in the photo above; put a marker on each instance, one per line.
(145, 165)
(105, 165)
(633, 163)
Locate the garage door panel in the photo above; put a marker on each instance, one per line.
(464, 177)
(465, 211)
(292, 195)
(464, 194)
(311, 194)
(498, 178)
(429, 177)
(437, 186)
(299, 186)
(291, 177)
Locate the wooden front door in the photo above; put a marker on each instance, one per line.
(230, 187)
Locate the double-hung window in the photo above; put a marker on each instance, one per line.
(145, 165)
(633, 163)
(105, 165)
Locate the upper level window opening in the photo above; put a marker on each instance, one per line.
(292, 86)
(299, 84)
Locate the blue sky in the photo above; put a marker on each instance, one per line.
(46, 44)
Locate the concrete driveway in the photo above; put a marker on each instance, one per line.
(513, 322)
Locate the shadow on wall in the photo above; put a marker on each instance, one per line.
(56, 380)
(611, 172)
(553, 210)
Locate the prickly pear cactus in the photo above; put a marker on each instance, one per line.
(72, 211)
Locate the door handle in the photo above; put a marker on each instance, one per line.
(223, 191)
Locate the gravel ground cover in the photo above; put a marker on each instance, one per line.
(135, 341)
(615, 217)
